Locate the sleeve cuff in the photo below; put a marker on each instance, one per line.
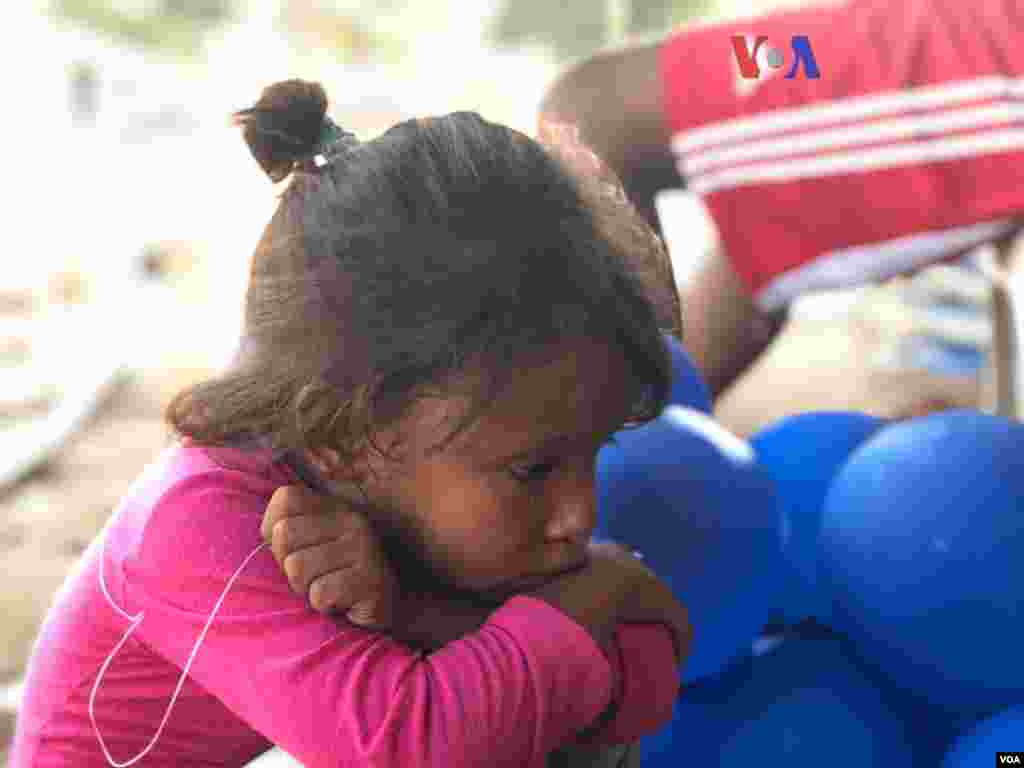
(574, 672)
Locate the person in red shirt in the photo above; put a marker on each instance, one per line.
(905, 150)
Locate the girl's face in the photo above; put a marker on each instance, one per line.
(509, 503)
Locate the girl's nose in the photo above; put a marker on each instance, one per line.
(574, 513)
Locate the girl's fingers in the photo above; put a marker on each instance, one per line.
(304, 566)
(329, 555)
(292, 535)
(363, 595)
(289, 501)
(333, 592)
(374, 613)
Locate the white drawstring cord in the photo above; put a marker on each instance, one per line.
(135, 621)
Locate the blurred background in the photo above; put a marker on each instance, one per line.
(134, 208)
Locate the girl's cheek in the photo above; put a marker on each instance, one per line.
(518, 516)
(503, 538)
(502, 524)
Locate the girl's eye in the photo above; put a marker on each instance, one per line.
(532, 473)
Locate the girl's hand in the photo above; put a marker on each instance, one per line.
(617, 588)
(329, 553)
(651, 601)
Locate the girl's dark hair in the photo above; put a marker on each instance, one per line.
(448, 249)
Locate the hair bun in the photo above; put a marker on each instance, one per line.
(284, 125)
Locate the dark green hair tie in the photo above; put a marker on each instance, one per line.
(333, 140)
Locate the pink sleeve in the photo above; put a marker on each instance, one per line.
(331, 694)
(647, 678)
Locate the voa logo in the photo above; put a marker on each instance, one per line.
(750, 55)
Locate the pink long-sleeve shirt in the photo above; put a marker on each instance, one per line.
(272, 671)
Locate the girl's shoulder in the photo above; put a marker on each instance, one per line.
(249, 465)
(198, 483)
(196, 505)
(185, 473)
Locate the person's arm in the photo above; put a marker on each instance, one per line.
(320, 541)
(615, 99)
(1002, 388)
(723, 328)
(646, 672)
(331, 693)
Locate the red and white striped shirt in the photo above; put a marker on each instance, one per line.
(907, 150)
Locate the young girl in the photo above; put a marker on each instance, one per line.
(442, 327)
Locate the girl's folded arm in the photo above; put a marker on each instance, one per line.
(646, 672)
(332, 694)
